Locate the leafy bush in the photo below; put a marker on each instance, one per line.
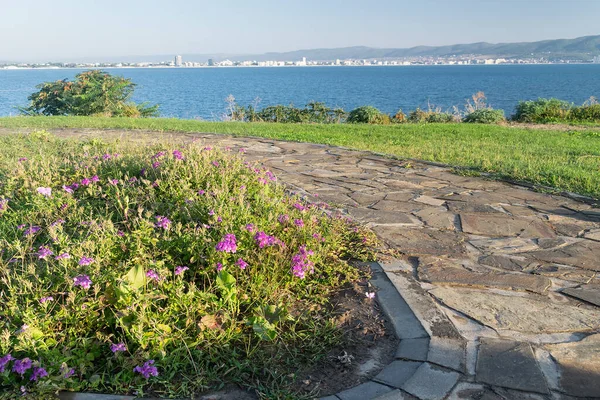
(485, 116)
(93, 93)
(399, 117)
(163, 269)
(543, 111)
(313, 112)
(368, 115)
(586, 113)
(430, 116)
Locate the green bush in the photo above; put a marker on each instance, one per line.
(586, 113)
(543, 111)
(430, 116)
(162, 270)
(93, 93)
(485, 116)
(368, 115)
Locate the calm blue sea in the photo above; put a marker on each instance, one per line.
(201, 93)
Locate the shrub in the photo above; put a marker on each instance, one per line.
(543, 111)
(485, 116)
(93, 93)
(586, 113)
(164, 269)
(313, 112)
(430, 116)
(399, 117)
(368, 115)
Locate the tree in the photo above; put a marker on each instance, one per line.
(92, 93)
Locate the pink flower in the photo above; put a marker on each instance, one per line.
(45, 299)
(115, 348)
(46, 191)
(82, 280)
(147, 370)
(180, 269)
(241, 263)
(153, 275)
(83, 261)
(219, 267)
(370, 295)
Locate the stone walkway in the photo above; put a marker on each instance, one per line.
(500, 286)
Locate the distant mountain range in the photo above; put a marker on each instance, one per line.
(582, 48)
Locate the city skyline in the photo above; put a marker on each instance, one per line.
(66, 29)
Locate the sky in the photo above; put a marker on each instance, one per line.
(68, 30)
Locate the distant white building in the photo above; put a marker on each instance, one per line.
(178, 61)
(597, 60)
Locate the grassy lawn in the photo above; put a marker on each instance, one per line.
(162, 270)
(560, 158)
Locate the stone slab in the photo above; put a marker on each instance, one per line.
(449, 353)
(397, 373)
(406, 324)
(529, 314)
(579, 365)
(588, 293)
(425, 241)
(494, 225)
(445, 272)
(436, 217)
(422, 385)
(509, 364)
(583, 254)
(413, 349)
(396, 395)
(430, 201)
(367, 390)
(330, 398)
(384, 218)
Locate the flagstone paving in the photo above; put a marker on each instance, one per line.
(504, 281)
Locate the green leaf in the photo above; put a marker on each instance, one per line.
(136, 277)
(263, 328)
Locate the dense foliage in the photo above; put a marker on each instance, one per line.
(92, 93)
(313, 112)
(553, 110)
(485, 116)
(163, 269)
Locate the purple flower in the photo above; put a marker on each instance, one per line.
(120, 233)
(262, 181)
(44, 252)
(20, 366)
(45, 299)
(241, 263)
(177, 154)
(250, 227)
(69, 372)
(208, 148)
(211, 212)
(46, 191)
(227, 244)
(299, 206)
(57, 222)
(117, 347)
(180, 269)
(33, 229)
(95, 178)
(162, 222)
(270, 175)
(153, 275)
(201, 192)
(113, 181)
(158, 155)
(299, 223)
(283, 218)
(219, 267)
(106, 157)
(147, 370)
(215, 163)
(83, 261)
(82, 280)
(242, 150)
(38, 372)
(155, 164)
(263, 240)
(3, 203)
(4, 361)
(85, 182)
(21, 159)
(301, 263)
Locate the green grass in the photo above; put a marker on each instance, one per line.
(567, 160)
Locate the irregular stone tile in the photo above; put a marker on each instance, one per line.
(594, 234)
(470, 391)
(502, 226)
(437, 217)
(330, 398)
(384, 218)
(572, 274)
(368, 390)
(400, 196)
(430, 201)
(365, 199)
(509, 364)
(568, 229)
(396, 395)
(504, 246)
(589, 293)
(397, 373)
(423, 241)
(400, 184)
(397, 265)
(579, 364)
(413, 349)
(583, 254)
(504, 262)
(463, 207)
(447, 352)
(402, 206)
(528, 314)
(444, 272)
(421, 384)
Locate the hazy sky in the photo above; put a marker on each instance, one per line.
(71, 29)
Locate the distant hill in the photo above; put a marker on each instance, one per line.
(583, 48)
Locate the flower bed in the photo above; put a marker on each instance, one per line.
(160, 269)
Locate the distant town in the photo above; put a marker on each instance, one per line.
(179, 62)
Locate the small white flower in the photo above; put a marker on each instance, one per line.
(370, 295)
(46, 191)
